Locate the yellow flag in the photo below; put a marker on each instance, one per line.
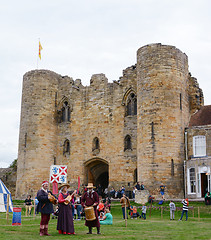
(40, 48)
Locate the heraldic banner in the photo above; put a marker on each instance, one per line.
(58, 174)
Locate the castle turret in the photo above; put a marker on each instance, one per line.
(163, 113)
(37, 138)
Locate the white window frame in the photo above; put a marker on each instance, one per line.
(199, 146)
(189, 181)
(198, 185)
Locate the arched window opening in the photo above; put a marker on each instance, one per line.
(65, 112)
(66, 149)
(96, 144)
(128, 143)
(131, 106)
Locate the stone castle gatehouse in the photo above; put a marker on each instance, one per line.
(110, 133)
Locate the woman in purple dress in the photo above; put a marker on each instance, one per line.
(65, 219)
(91, 198)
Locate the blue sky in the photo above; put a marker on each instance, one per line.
(81, 38)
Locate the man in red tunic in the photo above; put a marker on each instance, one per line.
(91, 198)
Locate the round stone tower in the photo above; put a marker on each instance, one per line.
(37, 138)
(163, 113)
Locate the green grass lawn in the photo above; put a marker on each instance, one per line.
(155, 227)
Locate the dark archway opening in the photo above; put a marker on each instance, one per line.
(97, 172)
(102, 180)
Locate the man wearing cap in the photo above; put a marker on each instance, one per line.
(45, 207)
(91, 198)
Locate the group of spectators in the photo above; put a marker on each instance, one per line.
(112, 193)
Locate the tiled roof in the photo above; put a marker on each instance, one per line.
(202, 117)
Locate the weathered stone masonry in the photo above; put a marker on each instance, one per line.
(63, 121)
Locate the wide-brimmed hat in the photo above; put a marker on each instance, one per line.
(90, 185)
(63, 185)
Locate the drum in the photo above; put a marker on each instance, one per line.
(89, 213)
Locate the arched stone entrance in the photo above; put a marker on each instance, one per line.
(96, 170)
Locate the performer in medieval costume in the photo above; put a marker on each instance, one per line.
(45, 207)
(65, 219)
(91, 198)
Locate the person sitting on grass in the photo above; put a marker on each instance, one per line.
(107, 218)
(134, 212)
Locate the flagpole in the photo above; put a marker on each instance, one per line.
(38, 52)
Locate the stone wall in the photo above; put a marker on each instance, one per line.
(160, 82)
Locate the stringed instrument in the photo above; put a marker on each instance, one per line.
(69, 198)
(52, 199)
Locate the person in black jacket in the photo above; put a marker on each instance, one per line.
(45, 207)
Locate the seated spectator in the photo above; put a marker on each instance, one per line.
(100, 207)
(122, 190)
(142, 186)
(150, 199)
(107, 218)
(137, 186)
(107, 204)
(134, 212)
(119, 194)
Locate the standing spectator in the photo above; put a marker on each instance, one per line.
(28, 205)
(162, 190)
(99, 190)
(184, 208)
(172, 209)
(112, 193)
(78, 206)
(142, 186)
(45, 207)
(138, 186)
(125, 201)
(36, 204)
(106, 192)
(207, 198)
(65, 219)
(134, 192)
(144, 211)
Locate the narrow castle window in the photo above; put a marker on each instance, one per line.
(180, 99)
(172, 167)
(131, 107)
(135, 176)
(128, 143)
(65, 112)
(66, 149)
(25, 140)
(96, 144)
